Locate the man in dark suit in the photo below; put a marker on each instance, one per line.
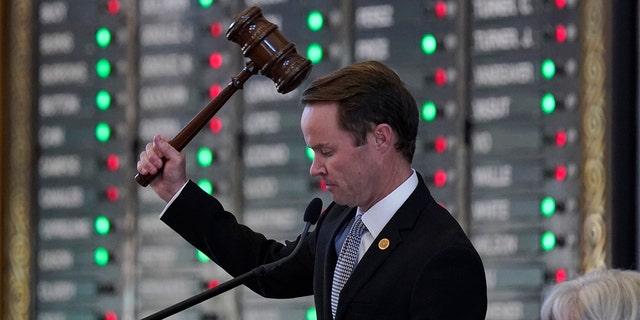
(410, 259)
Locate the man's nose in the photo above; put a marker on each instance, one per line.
(317, 168)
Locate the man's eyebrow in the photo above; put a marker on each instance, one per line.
(319, 145)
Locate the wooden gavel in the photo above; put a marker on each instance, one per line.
(269, 52)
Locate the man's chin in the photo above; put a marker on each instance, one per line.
(335, 199)
(341, 202)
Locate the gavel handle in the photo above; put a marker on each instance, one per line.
(200, 120)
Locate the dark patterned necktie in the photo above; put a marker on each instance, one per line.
(346, 261)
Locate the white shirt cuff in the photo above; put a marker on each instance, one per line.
(172, 199)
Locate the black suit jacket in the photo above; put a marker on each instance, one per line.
(430, 270)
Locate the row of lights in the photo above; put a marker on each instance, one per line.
(440, 177)
(429, 110)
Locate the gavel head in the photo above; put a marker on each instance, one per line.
(268, 49)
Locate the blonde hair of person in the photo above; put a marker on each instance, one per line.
(598, 295)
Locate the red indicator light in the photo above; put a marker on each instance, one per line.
(441, 9)
(216, 29)
(440, 144)
(561, 33)
(215, 125)
(213, 283)
(215, 60)
(113, 194)
(560, 4)
(561, 275)
(561, 173)
(113, 7)
(214, 90)
(110, 315)
(440, 77)
(323, 185)
(561, 138)
(440, 178)
(113, 162)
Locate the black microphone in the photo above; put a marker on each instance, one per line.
(311, 215)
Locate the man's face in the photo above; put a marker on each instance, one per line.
(348, 171)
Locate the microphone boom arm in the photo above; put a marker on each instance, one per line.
(205, 295)
(228, 285)
(311, 216)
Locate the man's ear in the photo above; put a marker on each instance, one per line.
(382, 135)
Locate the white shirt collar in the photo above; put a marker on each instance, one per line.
(380, 213)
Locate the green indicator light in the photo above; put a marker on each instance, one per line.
(548, 241)
(314, 53)
(548, 69)
(548, 103)
(103, 100)
(202, 257)
(206, 185)
(102, 225)
(103, 132)
(101, 256)
(205, 157)
(429, 44)
(310, 153)
(548, 206)
(205, 3)
(103, 37)
(103, 68)
(429, 111)
(311, 314)
(315, 20)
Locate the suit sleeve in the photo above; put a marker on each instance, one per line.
(202, 221)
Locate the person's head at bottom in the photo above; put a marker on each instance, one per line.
(598, 295)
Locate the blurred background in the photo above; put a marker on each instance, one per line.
(528, 136)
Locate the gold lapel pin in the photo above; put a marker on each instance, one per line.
(383, 244)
